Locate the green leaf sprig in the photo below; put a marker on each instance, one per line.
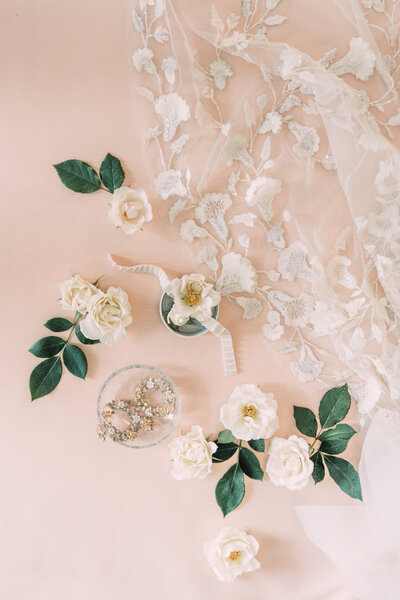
(333, 437)
(56, 350)
(80, 177)
(230, 489)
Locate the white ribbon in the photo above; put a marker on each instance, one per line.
(228, 354)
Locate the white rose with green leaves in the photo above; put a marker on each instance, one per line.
(76, 293)
(289, 462)
(192, 455)
(107, 317)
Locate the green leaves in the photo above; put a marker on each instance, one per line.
(319, 469)
(333, 438)
(75, 361)
(112, 173)
(305, 421)
(230, 489)
(48, 346)
(225, 436)
(83, 339)
(45, 377)
(58, 324)
(224, 452)
(250, 464)
(334, 441)
(78, 176)
(257, 445)
(334, 406)
(345, 475)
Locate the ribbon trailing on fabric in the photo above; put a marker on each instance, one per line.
(228, 354)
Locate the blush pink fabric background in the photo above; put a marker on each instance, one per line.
(80, 518)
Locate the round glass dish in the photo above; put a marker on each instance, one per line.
(192, 328)
(119, 387)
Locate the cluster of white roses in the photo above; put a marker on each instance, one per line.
(249, 414)
(129, 209)
(106, 314)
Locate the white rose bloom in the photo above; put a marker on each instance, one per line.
(192, 455)
(249, 413)
(193, 297)
(108, 315)
(129, 209)
(289, 463)
(232, 553)
(76, 293)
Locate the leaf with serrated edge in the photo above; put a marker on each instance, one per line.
(229, 491)
(334, 406)
(345, 475)
(112, 173)
(250, 464)
(45, 377)
(83, 339)
(47, 346)
(78, 176)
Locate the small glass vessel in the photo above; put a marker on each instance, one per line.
(192, 328)
(122, 389)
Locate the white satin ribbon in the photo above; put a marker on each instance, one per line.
(228, 354)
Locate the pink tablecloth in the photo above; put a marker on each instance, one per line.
(80, 518)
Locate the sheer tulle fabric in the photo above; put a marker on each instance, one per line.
(271, 142)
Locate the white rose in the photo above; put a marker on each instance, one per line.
(193, 297)
(232, 553)
(76, 293)
(191, 454)
(108, 315)
(289, 462)
(129, 209)
(249, 413)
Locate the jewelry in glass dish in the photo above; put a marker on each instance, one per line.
(138, 406)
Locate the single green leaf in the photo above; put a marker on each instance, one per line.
(45, 377)
(78, 176)
(306, 421)
(225, 436)
(75, 361)
(334, 441)
(229, 491)
(257, 445)
(47, 346)
(342, 431)
(112, 173)
(58, 324)
(345, 475)
(319, 469)
(334, 406)
(250, 464)
(224, 452)
(83, 339)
